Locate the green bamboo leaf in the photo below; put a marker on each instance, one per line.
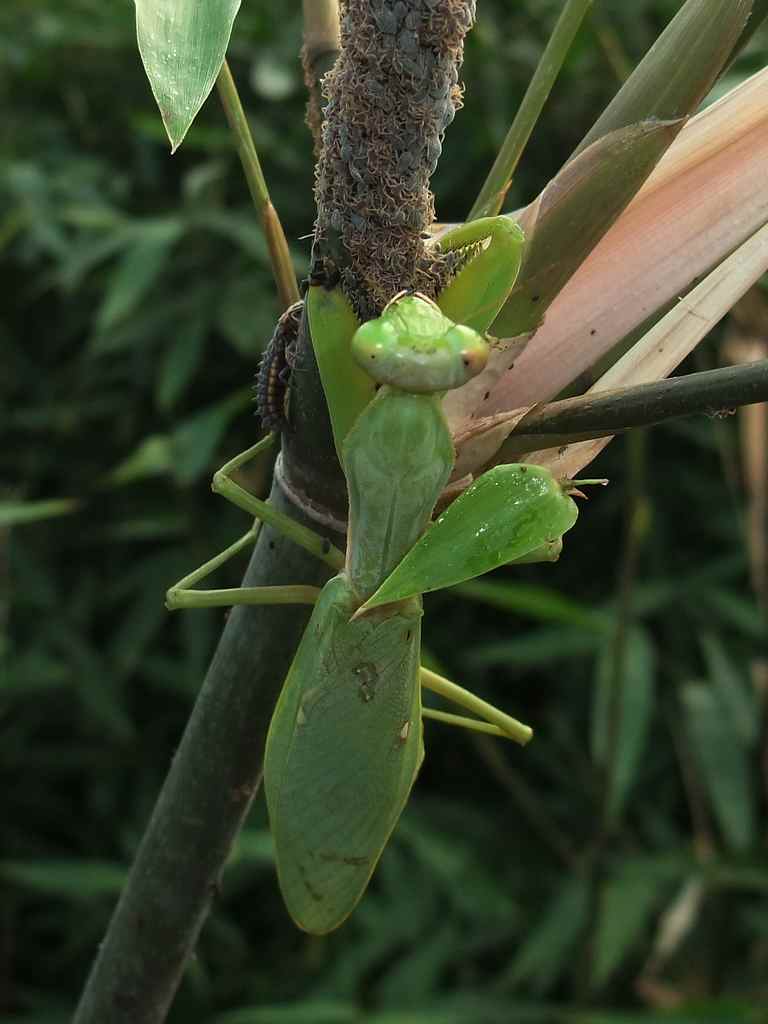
(180, 363)
(254, 846)
(734, 693)
(635, 702)
(16, 513)
(510, 511)
(534, 602)
(619, 153)
(626, 905)
(135, 272)
(574, 212)
(195, 439)
(537, 648)
(308, 1012)
(679, 69)
(64, 1017)
(152, 457)
(759, 13)
(70, 879)
(724, 761)
(182, 45)
(545, 952)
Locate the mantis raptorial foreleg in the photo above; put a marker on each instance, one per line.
(480, 288)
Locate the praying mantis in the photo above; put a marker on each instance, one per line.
(345, 742)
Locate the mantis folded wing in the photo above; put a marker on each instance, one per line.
(345, 741)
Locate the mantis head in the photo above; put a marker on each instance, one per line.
(415, 347)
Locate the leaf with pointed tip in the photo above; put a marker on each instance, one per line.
(679, 69)
(575, 211)
(182, 45)
(506, 515)
(16, 513)
(627, 903)
(626, 691)
(723, 760)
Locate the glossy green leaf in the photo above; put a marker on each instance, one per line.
(507, 513)
(182, 45)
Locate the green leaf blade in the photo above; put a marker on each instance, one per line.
(627, 904)
(17, 513)
(182, 45)
(509, 512)
(722, 758)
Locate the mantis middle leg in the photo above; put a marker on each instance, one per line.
(183, 594)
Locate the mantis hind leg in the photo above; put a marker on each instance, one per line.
(490, 719)
(183, 594)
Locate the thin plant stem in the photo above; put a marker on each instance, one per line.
(602, 413)
(282, 266)
(497, 184)
(322, 45)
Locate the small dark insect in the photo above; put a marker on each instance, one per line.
(323, 272)
(274, 374)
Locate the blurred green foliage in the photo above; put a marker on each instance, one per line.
(521, 886)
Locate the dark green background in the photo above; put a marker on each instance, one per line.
(135, 300)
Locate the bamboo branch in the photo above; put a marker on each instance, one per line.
(600, 414)
(212, 780)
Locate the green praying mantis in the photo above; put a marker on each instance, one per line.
(345, 742)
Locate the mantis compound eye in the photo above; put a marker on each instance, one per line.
(414, 346)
